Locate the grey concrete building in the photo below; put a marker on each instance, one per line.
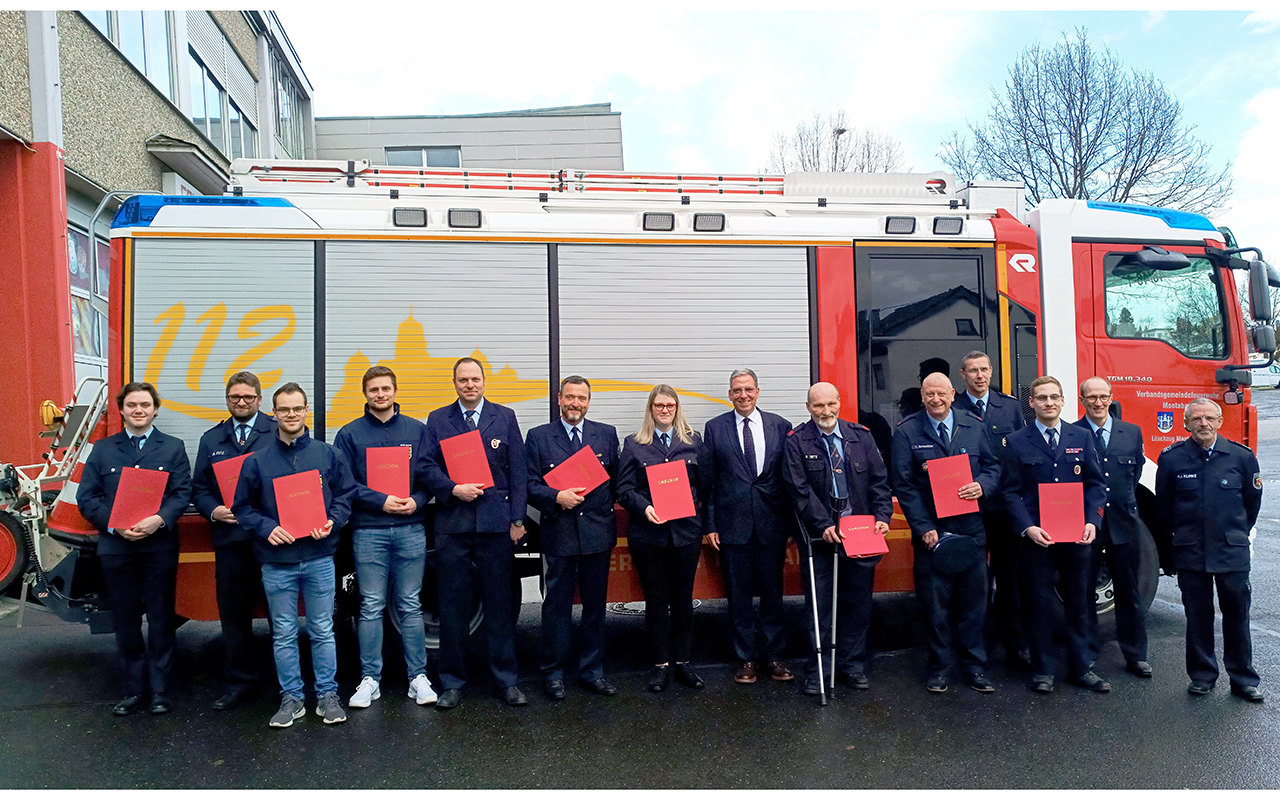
(95, 102)
(578, 137)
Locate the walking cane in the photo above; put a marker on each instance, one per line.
(813, 596)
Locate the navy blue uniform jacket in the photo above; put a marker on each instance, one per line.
(219, 444)
(1001, 417)
(255, 504)
(1028, 462)
(634, 495)
(808, 476)
(739, 502)
(915, 443)
(101, 476)
(355, 438)
(1208, 505)
(590, 527)
(501, 504)
(1121, 470)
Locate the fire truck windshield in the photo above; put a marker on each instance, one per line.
(1182, 307)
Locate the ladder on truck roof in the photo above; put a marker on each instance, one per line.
(275, 177)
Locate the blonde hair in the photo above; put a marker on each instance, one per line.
(679, 425)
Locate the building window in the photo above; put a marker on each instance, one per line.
(424, 156)
(143, 37)
(290, 112)
(211, 106)
(89, 292)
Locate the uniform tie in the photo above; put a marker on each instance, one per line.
(666, 442)
(942, 434)
(748, 445)
(138, 441)
(574, 439)
(241, 436)
(471, 419)
(1052, 433)
(978, 404)
(1099, 434)
(836, 454)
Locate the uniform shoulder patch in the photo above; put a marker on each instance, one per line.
(791, 432)
(1257, 481)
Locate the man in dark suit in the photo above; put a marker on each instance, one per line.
(477, 526)
(1051, 451)
(833, 469)
(139, 564)
(946, 593)
(577, 535)
(748, 518)
(1120, 448)
(1001, 415)
(1208, 493)
(236, 569)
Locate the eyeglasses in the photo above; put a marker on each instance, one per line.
(1047, 398)
(296, 411)
(1096, 398)
(242, 399)
(664, 406)
(739, 392)
(1193, 420)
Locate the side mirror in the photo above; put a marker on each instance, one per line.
(1264, 339)
(1259, 291)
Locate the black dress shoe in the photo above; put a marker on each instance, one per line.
(554, 689)
(1093, 682)
(686, 675)
(857, 680)
(1200, 687)
(1140, 668)
(512, 696)
(600, 686)
(1251, 693)
(448, 699)
(936, 684)
(232, 699)
(1042, 684)
(811, 686)
(127, 706)
(979, 682)
(659, 677)
(160, 705)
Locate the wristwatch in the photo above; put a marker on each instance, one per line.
(518, 523)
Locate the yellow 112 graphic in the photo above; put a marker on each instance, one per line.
(250, 327)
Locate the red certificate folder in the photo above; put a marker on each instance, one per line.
(580, 469)
(1062, 511)
(387, 469)
(860, 537)
(946, 476)
(228, 475)
(138, 496)
(669, 488)
(465, 459)
(300, 503)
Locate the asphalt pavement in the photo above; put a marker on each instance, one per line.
(59, 683)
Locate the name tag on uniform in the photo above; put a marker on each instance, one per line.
(1187, 475)
(923, 446)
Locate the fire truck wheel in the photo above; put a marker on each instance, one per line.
(1104, 591)
(13, 550)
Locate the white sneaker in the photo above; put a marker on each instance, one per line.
(366, 693)
(420, 689)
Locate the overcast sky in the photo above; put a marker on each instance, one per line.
(708, 88)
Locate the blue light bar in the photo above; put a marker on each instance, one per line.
(1170, 217)
(140, 210)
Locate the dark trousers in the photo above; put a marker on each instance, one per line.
(853, 616)
(1234, 597)
(753, 569)
(1074, 566)
(1131, 618)
(1004, 618)
(666, 577)
(463, 559)
(139, 583)
(961, 597)
(590, 574)
(239, 583)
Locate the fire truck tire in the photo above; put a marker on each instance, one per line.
(1148, 579)
(14, 557)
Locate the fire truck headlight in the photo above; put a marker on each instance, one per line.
(948, 226)
(464, 218)
(900, 225)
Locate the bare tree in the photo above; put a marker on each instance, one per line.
(828, 144)
(1073, 122)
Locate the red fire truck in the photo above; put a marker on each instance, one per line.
(312, 271)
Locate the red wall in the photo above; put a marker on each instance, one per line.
(36, 358)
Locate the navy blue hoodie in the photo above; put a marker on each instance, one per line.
(255, 503)
(356, 437)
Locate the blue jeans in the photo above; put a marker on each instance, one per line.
(398, 553)
(283, 583)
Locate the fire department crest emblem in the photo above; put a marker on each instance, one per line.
(1164, 421)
